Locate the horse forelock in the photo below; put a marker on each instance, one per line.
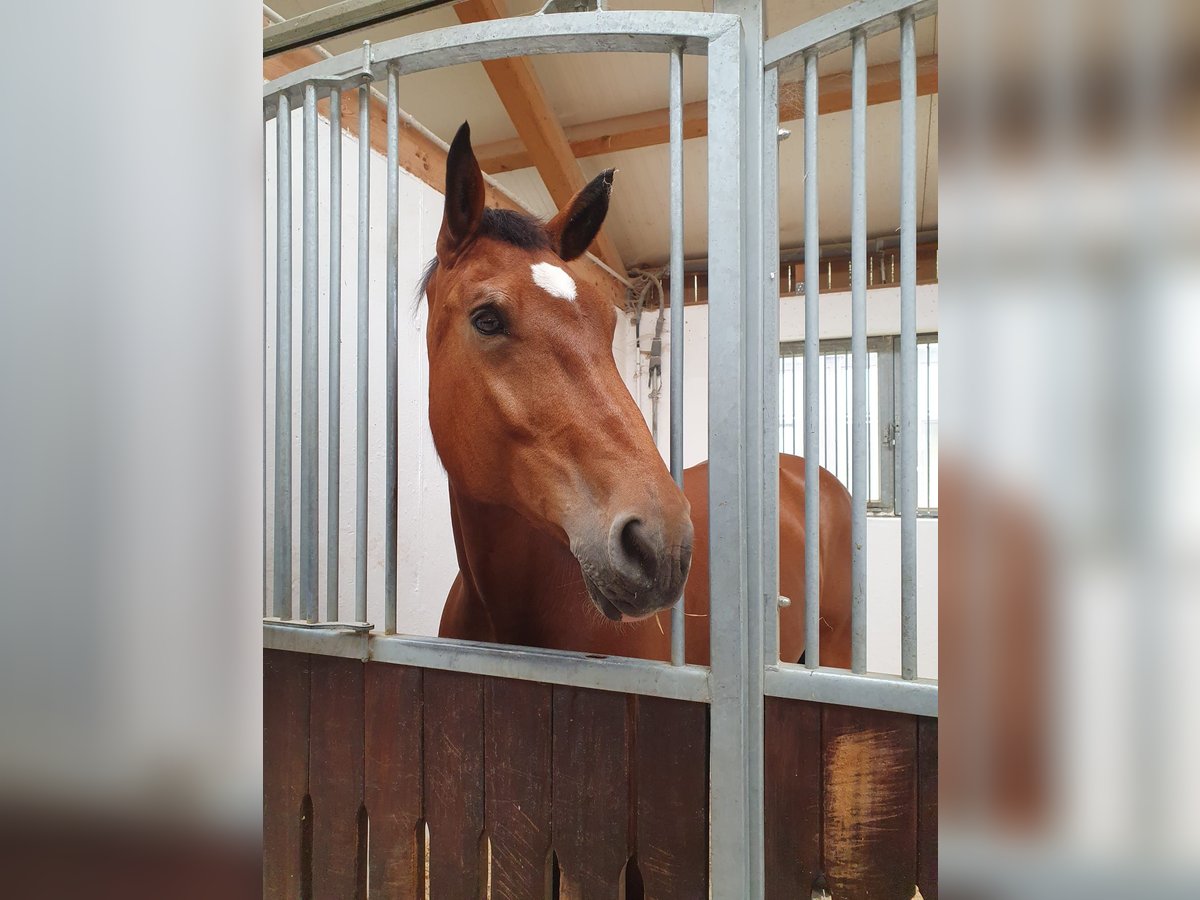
(505, 225)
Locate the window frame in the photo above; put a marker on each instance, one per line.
(888, 348)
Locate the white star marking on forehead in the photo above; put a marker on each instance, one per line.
(553, 280)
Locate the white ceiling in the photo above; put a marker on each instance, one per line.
(589, 87)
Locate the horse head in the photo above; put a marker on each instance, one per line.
(526, 405)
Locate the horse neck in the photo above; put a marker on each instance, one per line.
(524, 579)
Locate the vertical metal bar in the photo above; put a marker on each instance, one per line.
(812, 349)
(832, 425)
(283, 362)
(858, 350)
(678, 647)
(393, 236)
(333, 525)
(733, 799)
(908, 349)
(363, 324)
(770, 344)
(267, 597)
(309, 367)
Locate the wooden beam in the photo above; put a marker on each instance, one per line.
(648, 129)
(546, 144)
(426, 159)
(883, 272)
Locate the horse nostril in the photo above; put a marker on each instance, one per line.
(637, 549)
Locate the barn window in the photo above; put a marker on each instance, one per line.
(834, 425)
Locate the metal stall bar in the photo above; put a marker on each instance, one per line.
(393, 353)
(309, 367)
(908, 349)
(282, 605)
(812, 358)
(332, 527)
(835, 30)
(678, 651)
(858, 351)
(735, 820)
(605, 673)
(266, 398)
(770, 365)
(363, 324)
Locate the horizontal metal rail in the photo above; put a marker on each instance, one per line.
(835, 30)
(917, 696)
(621, 32)
(339, 18)
(604, 673)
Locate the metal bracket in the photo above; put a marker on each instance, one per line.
(572, 6)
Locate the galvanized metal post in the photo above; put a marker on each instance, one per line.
(860, 476)
(393, 237)
(309, 425)
(812, 375)
(678, 647)
(332, 526)
(908, 348)
(282, 607)
(770, 366)
(363, 325)
(726, 476)
(735, 453)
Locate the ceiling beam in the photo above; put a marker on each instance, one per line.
(648, 129)
(425, 158)
(541, 135)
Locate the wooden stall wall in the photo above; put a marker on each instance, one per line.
(387, 781)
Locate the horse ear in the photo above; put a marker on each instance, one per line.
(464, 198)
(575, 226)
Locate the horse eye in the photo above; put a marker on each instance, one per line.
(487, 321)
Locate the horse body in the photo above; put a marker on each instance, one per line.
(518, 585)
(569, 530)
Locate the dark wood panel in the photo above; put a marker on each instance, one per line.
(517, 763)
(393, 781)
(336, 775)
(591, 791)
(285, 773)
(672, 798)
(870, 801)
(453, 730)
(927, 807)
(792, 800)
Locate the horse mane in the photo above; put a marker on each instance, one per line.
(505, 225)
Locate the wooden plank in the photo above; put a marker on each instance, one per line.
(521, 93)
(672, 798)
(517, 764)
(336, 775)
(652, 128)
(285, 773)
(870, 802)
(453, 737)
(591, 791)
(425, 158)
(792, 797)
(927, 807)
(393, 780)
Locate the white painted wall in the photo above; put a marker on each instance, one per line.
(883, 532)
(426, 560)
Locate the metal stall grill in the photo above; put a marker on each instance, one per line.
(383, 751)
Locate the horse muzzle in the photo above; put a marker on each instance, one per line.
(639, 568)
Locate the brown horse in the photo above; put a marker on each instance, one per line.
(569, 529)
